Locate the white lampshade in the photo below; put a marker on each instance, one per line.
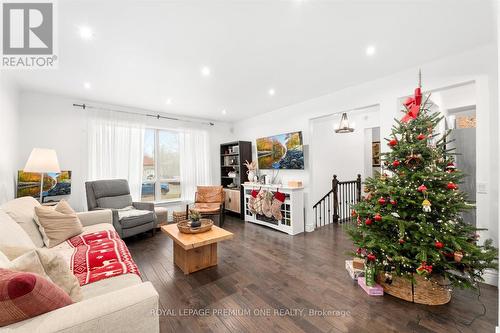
(42, 161)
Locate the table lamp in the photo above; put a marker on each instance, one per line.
(42, 161)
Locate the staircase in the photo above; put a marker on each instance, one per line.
(335, 206)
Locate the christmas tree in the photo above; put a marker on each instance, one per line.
(410, 219)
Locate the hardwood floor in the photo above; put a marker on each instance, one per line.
(267, 281)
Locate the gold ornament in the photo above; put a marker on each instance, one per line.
(426, 206)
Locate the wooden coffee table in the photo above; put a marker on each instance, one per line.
(193, 252)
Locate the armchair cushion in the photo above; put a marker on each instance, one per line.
(110, 188)
(134, 221)
(116, 202)
(207, 208)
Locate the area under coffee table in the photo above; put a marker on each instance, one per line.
(193, 252)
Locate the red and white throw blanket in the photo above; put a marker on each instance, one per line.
(100, 255)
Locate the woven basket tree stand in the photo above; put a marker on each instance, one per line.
(422, 291)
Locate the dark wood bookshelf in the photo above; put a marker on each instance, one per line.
(232, 158)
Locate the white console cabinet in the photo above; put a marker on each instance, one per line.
(292, 208)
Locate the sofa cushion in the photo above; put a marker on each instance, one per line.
(58, 223)
(118, 202)
(109, 285)
(22, 210)
(25, 295)
(134, 221)
(11, 233)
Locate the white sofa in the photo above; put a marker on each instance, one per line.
(119, 304)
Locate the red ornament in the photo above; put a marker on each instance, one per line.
(358, 251)
(368, 221)
(451, 186)
(395, 163)
(401, 241)
(393, 202)
(422, 188)
(378, 217)
(371, 257)
(393, 142)
(421, 137)
(438, 245)
(381, 201)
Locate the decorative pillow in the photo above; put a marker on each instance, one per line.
(22, 211)
(28, 262)
(45, 263)
(4, 261)
(26, 295)
(59, 272)
(12, 234)
(57, 224)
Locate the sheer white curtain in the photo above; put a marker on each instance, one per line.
(115, 147)
(195, 163)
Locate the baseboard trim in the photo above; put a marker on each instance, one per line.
(491, 277)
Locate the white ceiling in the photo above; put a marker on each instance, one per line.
(144, 52)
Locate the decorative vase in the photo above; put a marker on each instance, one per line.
(195, 223)
(370, 275)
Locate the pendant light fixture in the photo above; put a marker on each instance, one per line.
(344, 125)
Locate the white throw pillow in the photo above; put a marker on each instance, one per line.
(28, 262)
(11, 233)
(3, 260)
(22, 210)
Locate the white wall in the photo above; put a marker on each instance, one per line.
(478, 65)
(9, 98)
(50, 121)
(340, 154)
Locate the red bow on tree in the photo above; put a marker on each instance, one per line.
(412, 104)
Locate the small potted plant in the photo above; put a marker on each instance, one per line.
(194, 217)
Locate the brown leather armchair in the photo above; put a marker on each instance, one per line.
(209, 201)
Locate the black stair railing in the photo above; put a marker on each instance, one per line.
(335, 206)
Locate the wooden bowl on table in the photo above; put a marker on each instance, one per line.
(184, 226)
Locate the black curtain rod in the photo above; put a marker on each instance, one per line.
(157, 116)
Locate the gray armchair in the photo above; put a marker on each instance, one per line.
(114, 194)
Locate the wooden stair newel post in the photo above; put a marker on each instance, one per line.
(335, 188)
(358, 188)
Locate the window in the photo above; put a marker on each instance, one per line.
(161, 166)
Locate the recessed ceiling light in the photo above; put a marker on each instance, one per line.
(271, 92)
(224, 112)
(168, 101)
(205, 71)
(85, 32)
(370, 50)
(87, 85)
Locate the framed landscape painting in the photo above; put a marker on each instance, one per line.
(283, 151)
(54, 184)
